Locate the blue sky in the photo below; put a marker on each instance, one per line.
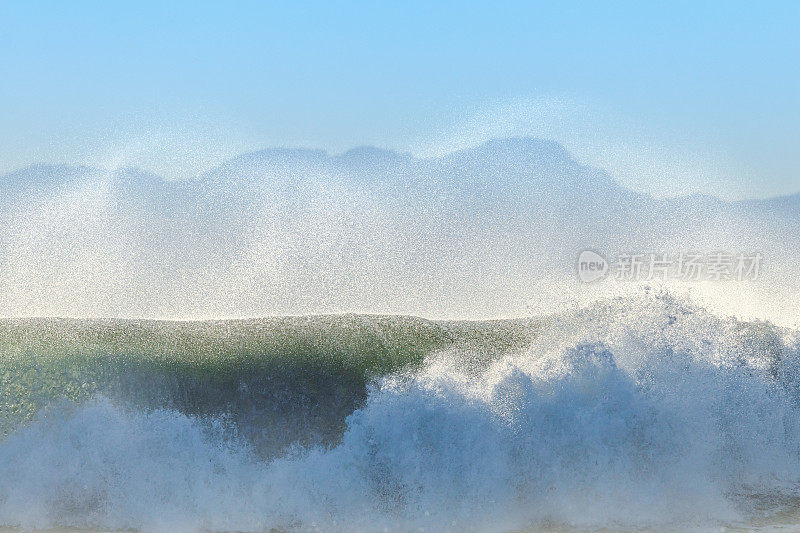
(671, 97)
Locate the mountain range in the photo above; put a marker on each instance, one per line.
(474, 232)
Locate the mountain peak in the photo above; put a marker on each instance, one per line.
(373, 155)
(526, 147)
(528, 151)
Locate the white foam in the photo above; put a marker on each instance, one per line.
(641, 411)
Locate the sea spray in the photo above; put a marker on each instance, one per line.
(643, 411)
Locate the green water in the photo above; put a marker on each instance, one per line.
(305, 374)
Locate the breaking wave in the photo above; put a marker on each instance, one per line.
(637, 412)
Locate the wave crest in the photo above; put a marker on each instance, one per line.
(635, 412)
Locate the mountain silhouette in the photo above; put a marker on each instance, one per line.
(297, 231)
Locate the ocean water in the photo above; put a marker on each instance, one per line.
(642, 413)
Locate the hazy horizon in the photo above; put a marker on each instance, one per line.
(339, 153)
(487, 232)
(675, 99)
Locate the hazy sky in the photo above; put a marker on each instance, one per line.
(669, 97)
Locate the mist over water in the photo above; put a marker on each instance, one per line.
(490, 231)
(673, 406)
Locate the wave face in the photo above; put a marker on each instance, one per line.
(640, 412)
